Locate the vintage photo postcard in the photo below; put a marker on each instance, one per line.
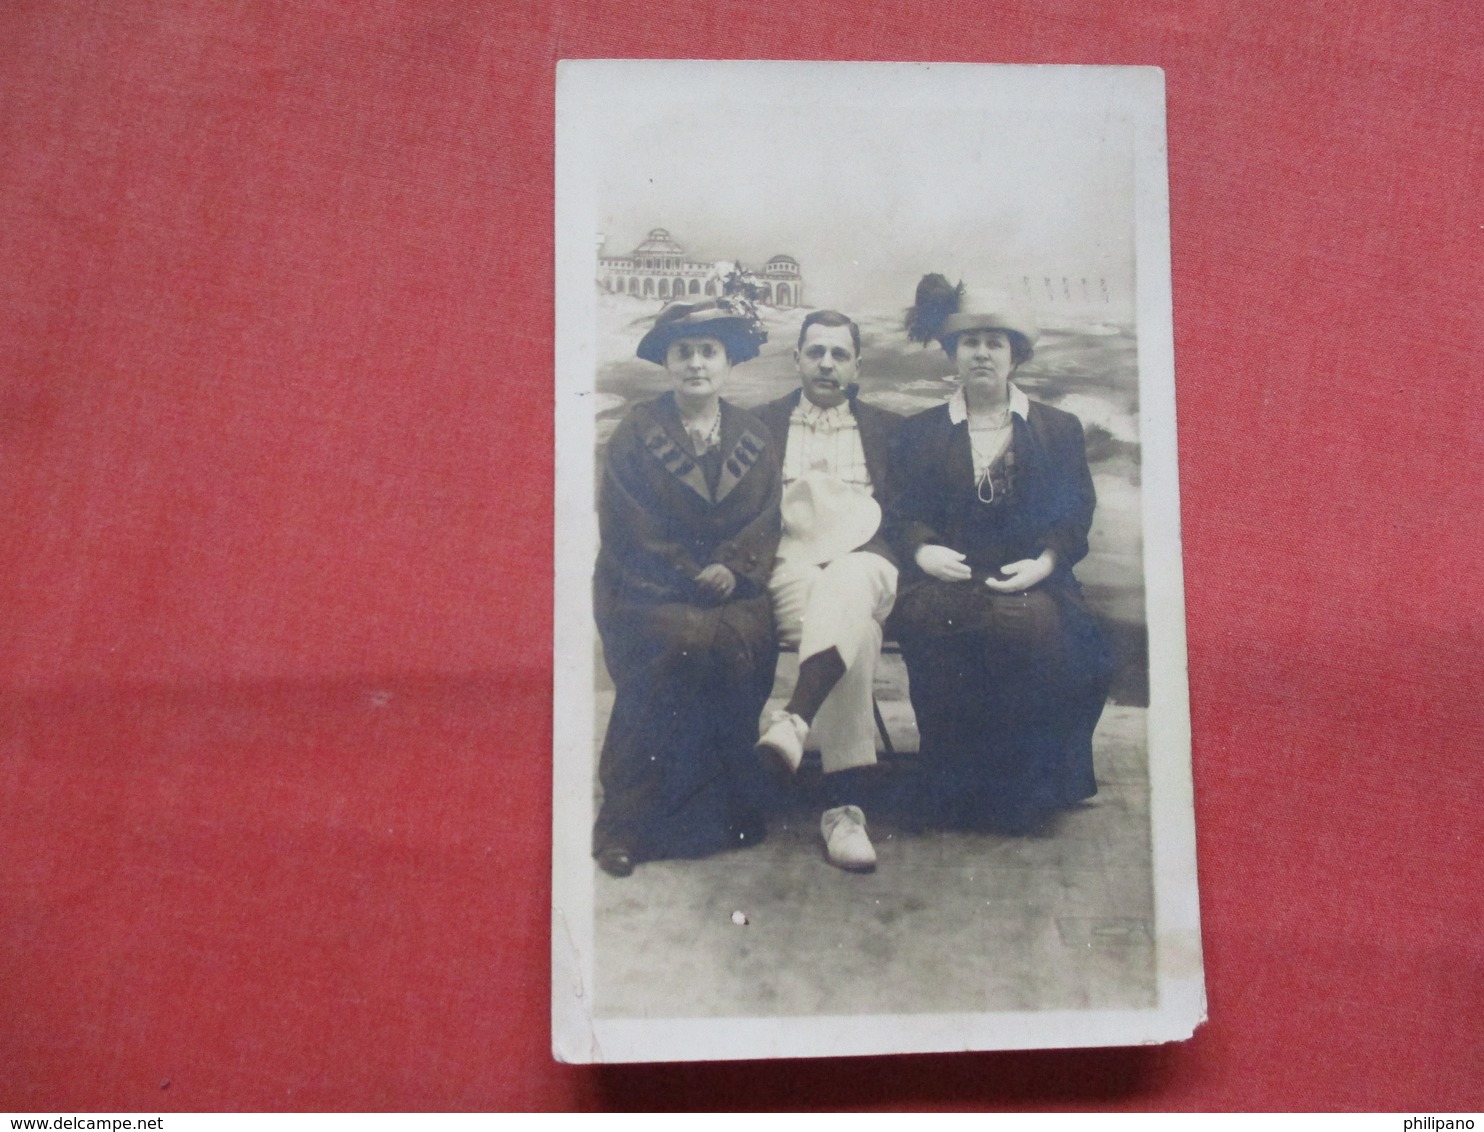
(871, 718)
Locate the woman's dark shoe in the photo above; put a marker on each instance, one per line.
(616, 861)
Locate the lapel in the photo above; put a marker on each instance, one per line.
(665, 441)
(742, 444)
(871, 440)
(664, 438)
(775, 415)
(958, 455)
(1030, 453)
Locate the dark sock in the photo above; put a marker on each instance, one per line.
(817, 676)
(849, 787)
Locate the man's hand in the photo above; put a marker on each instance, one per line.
(716, 582)
(1024, 574)
(942, 563)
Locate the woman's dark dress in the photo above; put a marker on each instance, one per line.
(679, 775)
(1007, 688)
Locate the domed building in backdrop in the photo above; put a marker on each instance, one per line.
(659, 268)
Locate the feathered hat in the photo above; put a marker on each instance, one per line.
(943, 311)
(733, 320)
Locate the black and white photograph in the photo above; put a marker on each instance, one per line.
(871, 727)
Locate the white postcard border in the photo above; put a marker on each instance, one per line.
(580, 1037)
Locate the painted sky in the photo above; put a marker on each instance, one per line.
(871, 175)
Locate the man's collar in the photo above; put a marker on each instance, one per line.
(958, 405)
(807, 410)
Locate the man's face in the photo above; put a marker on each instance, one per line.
(827, 364)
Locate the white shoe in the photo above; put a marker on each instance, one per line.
(845, 839)
(782, 740)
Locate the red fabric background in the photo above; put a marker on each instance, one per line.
(275, 431)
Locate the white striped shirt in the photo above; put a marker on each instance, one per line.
(825, 440)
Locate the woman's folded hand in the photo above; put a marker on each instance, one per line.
(1024, 574)
(942, 563)
(716, 582)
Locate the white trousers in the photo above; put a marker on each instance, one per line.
(840, 605)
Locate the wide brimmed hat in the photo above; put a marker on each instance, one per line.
(733, 321)
(988, 310)
(825, 518)
(941, 311)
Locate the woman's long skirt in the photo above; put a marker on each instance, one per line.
(679, 774)
(1007, 690)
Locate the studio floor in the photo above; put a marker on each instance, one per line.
(947, 923)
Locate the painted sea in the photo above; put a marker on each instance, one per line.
(1089, 369)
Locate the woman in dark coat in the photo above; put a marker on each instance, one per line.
(1007, 668)
(688, 520)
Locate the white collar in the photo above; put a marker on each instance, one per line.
(807, 411)
(958, 405)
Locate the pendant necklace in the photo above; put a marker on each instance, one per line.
(702, 442)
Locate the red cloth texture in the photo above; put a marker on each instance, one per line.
(275, 440)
